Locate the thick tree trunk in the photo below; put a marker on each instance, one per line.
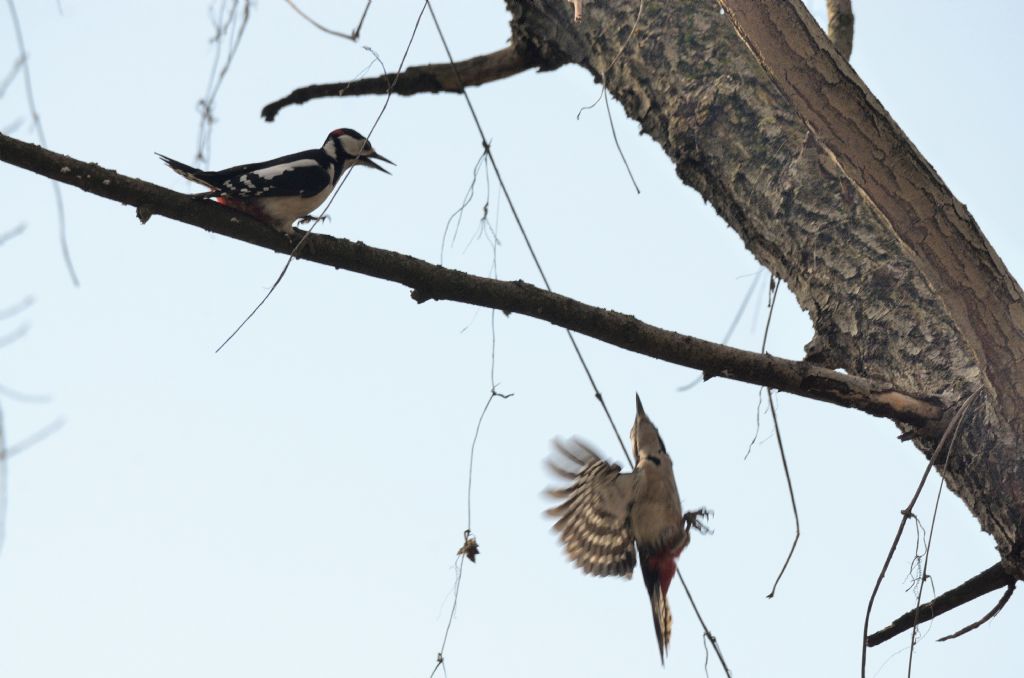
(695, 88)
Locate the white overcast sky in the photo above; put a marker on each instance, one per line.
(293, 504)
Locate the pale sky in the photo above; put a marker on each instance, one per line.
(293, 504)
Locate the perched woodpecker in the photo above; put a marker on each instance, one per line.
(282, 190)
(604, 512)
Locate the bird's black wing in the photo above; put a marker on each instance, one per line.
(289, 176)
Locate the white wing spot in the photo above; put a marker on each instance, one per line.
(269, 173)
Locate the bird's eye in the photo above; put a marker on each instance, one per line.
(657, 462)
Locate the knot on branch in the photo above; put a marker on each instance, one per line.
(420, 295)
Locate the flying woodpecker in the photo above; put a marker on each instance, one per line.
(282, 190)
(606, 516)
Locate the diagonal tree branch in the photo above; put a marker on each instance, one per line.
(948, 246)
(938, 236)
(1000, 604)
(431, 78)
(428, 281)
(992, 579)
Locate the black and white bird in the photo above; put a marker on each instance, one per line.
(280, 191)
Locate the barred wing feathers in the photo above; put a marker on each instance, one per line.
(593, 517)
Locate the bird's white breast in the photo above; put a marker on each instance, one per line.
(283, 211)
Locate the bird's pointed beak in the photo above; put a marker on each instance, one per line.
(366, 160)
(639, 406)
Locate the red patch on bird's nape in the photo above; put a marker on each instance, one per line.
(346, 132)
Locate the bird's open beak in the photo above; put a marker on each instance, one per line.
(366, 160)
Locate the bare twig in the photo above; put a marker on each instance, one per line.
(992, 579)
(792, 496)
(14, 394)
(17, 333)
(456, 216)
(1005, 598)
(15, 309)
(618, 146)
(773, 292)
(773, 295)
(476, 433)
(479, 70)
(229, 25)
(36, 437)
(6, 81)
(459, 562)
(924, 568)
(915, 570)
(945, 444)
(924, 573)
(430, 281)
(757, 424)
(470, 548)
(840, 26)
(13, 126)
(710, 637)
(604, 92)
(353, 36)
(37, 122)
(732, 325)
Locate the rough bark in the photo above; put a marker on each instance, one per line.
(696, 90)
(939, 235)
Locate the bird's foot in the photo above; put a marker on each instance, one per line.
(695, 519)
(310, 219)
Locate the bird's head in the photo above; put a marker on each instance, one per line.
(351, 148)
(647, 444)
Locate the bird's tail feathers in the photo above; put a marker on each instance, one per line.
(187, 171)
(653, 578)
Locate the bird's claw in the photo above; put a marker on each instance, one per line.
(695, 519)
(310, 219)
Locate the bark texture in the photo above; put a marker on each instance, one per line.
(695, 88)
